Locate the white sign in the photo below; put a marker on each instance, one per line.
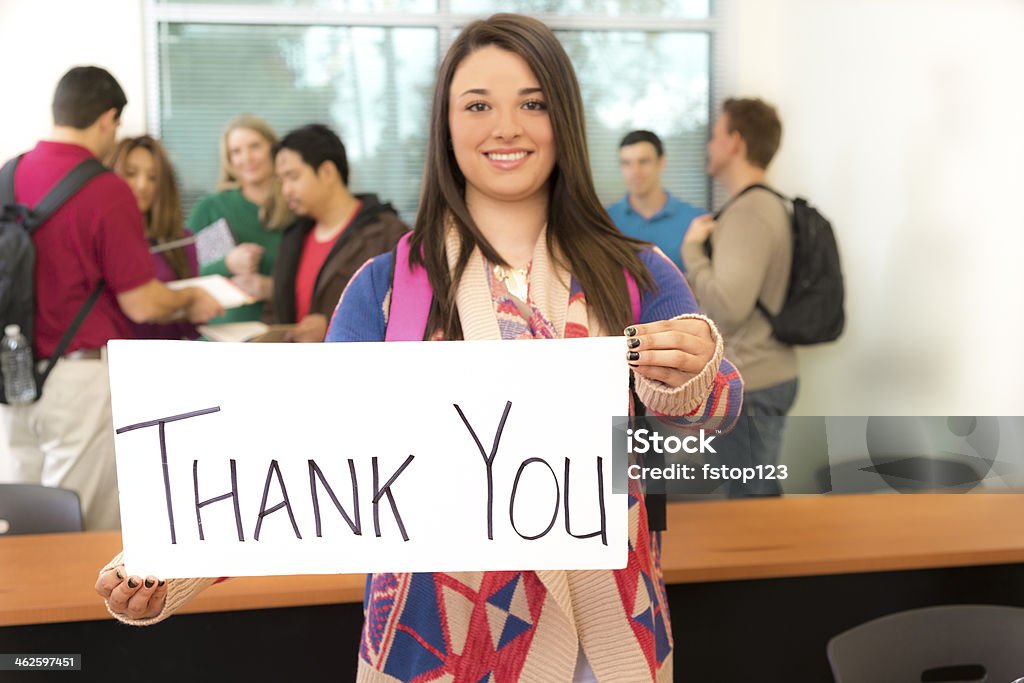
(258, 459)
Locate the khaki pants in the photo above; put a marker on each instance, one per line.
(66, 439)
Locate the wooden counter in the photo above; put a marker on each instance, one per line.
(815, 535)
(51, 578)
(46, 579)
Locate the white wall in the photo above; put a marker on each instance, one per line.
(903, 124)
(41, 39)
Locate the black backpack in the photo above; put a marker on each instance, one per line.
(812, 312)
(18, 256)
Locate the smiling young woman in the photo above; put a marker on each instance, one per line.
(516, 245)
(508, 188)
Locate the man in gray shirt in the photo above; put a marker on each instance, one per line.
(751, 252)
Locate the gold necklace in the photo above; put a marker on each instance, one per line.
(516, 280)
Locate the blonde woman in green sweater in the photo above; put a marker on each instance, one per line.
(249, 199)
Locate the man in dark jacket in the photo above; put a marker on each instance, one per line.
(335, 234)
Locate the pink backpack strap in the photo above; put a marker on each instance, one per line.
(411, 297)
(634, 295)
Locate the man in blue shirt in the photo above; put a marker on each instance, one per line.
(648, 211)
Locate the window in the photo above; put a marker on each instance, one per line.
(367, 69)
(645, 80)
(679, 9)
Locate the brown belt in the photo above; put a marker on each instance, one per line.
(84, 354)
(80, 354)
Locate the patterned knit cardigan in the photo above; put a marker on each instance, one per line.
(526, 626)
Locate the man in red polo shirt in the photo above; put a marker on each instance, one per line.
(66, 438)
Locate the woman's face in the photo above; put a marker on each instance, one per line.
(140, 173)
(249, 156)
(501, 132)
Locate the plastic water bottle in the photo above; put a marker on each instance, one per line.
(16, 362)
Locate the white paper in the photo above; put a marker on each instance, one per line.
(214, 242)
(233, 332)
(227, 293)
(392, 403)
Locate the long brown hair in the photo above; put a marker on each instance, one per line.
(274, 214)
(164, 221)
(595, 250)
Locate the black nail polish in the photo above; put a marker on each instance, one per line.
(632, 355)
(161, 583)
(630, 331)
(132, 583)
(119, 575)
(633, 343)
(149, 583)
(633, 365)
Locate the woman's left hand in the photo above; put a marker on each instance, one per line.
(670, 351)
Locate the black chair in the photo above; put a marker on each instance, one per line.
(32, 509)
(961, 643)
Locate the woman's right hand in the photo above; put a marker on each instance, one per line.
(130, 596)
(244, 259)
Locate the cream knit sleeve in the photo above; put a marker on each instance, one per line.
(179, 592)
(686, 398)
